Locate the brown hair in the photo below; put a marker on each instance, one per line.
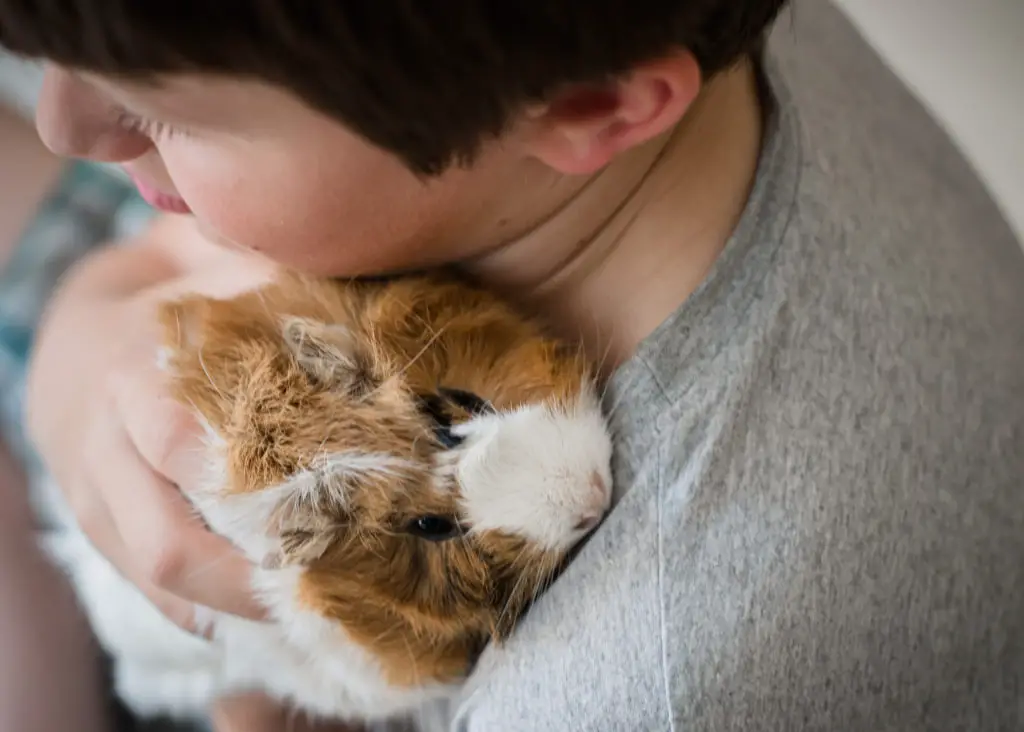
(424, 79)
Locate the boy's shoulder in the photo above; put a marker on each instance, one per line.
(820, 452)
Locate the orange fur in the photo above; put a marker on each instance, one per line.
(305, 367)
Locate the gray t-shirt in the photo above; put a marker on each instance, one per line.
(820, 456)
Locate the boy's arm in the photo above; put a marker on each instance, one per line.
(115, 443)
(168, 250)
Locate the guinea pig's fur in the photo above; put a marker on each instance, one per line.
(406, 461)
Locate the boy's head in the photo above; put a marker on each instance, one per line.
(444, 107)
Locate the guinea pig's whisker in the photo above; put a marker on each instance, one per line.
(545, 573)
(370, 394)
(383, 492)
(202, 365)
(419, 354)
(427, 326)
(384, 635)
(364, 537)
(515, 588)
(426, 346)
(507, 609)
(412, 656)
(548, 577)
(461, 527)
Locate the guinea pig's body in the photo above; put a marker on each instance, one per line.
(407, 462)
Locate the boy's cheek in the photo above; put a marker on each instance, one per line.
(302, 237)
(344, 213)
(300, 228)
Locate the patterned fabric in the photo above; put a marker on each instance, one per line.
(91, 205)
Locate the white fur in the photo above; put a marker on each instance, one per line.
(530, 472)
(301, 657)
(537, 472)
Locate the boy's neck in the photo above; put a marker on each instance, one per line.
(632, 244)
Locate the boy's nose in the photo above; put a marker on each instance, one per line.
(74, 120)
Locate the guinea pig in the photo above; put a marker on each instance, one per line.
(407, 462)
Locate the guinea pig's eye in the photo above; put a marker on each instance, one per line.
(433, 528)
(468, 401)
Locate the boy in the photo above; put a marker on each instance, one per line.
(798, 290)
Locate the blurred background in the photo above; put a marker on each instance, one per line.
(965, 60)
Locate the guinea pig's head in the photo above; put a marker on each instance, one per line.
(426, 457)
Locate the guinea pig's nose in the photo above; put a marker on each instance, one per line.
(587, 522)
(596, 506)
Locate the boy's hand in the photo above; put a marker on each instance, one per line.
(118, 446)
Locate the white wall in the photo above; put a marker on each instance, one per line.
(965, 60)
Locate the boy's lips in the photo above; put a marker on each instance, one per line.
(158, 199)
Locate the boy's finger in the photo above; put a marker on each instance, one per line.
(166, 434)
(180, 612)
(175, 551)
(169, 547)
(103, 534)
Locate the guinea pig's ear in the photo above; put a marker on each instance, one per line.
(305, 526)
(324, 351)
(299, 548)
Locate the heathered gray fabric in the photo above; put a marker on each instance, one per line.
(820, 455)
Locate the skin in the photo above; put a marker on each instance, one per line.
(28, 173)
(48, 653)
(604, 222)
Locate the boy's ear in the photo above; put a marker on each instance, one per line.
(585, 126)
